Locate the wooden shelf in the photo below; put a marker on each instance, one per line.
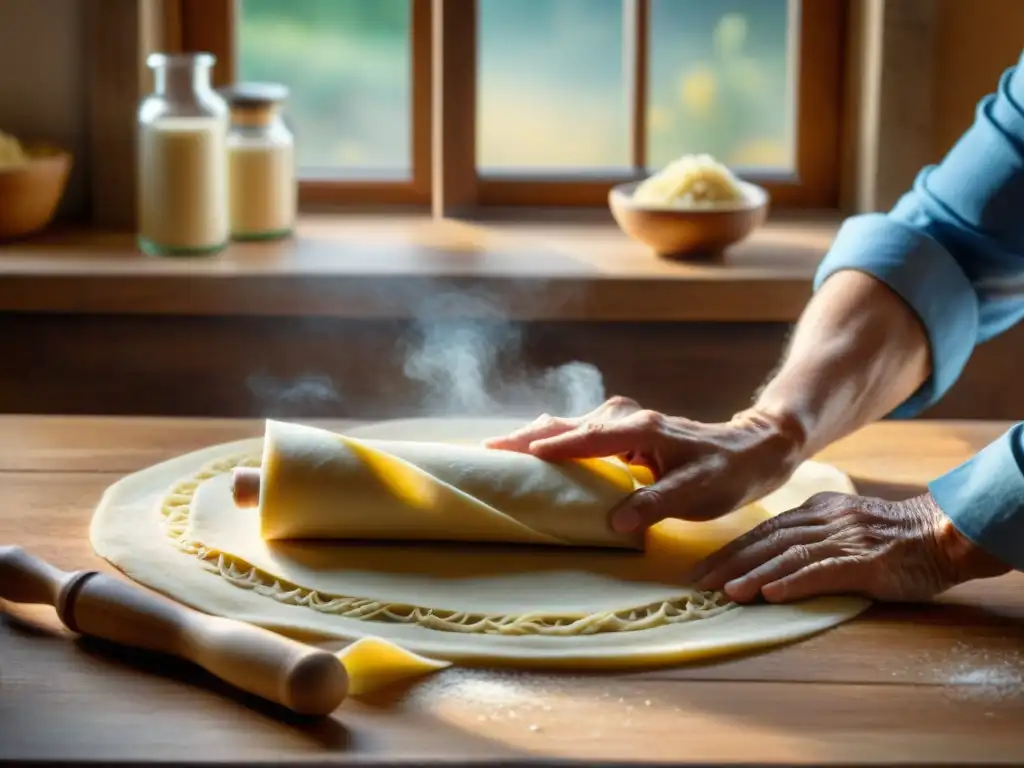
(387, 266)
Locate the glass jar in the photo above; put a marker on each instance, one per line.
(182, 164)
(262, 185)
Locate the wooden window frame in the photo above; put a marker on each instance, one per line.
(443, 39)
(210, 25)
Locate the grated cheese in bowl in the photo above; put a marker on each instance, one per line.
(12, 154)
(691, 181)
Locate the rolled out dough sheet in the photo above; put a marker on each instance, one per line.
(174, 527)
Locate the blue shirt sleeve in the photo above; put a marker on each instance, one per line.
(984, 497)
(953, 249)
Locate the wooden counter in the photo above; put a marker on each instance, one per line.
(940, 683)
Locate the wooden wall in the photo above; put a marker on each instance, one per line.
(312, 368)
(43, 86)
(977, 41)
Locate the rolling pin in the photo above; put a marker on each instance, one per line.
(245, 486)
(306, 680)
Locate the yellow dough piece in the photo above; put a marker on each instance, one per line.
(321, 485)
(373, 664)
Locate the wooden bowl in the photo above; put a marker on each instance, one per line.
(30, 193)
(689, 232)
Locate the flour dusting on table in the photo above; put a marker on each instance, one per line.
(980, 674)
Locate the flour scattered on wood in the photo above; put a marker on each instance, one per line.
(980, 674)
(996, 676)
(495, 696)
(492, 689)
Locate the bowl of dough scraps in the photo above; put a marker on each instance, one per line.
(33, 177)
(694, 207)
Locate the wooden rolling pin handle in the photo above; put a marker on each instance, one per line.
(306, 680)
(245, 486)
(27, 579)
(69, 590)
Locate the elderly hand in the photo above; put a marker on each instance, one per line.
(841, 544)
(701, 470)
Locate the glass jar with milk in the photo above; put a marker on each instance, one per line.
(182, 164)
(262, 186)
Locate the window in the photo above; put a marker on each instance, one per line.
(539, 102)
(720, 80)
(551, 88)
(346, 63)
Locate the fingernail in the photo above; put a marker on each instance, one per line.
(545, 447)
(734, 589)
(626, 520)
(773, 593)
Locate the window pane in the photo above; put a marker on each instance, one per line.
(720, 82)
(550, 87)
(347, 63)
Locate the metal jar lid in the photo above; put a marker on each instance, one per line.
(254, 95)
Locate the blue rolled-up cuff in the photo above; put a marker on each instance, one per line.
(927, 277)
(984, 497)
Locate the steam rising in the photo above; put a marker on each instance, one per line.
(272, 392)
(474, 367)
(463, 357)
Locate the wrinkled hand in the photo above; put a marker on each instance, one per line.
(842, 544)
(701, 471)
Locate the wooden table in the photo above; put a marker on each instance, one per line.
(940, 683)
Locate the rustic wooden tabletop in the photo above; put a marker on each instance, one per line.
(940, 683)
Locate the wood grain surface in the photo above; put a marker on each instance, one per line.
(252, 367)
(366, 267)
(938, 684)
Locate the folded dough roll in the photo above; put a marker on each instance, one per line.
(316, 484)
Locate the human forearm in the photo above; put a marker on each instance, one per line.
(857, 352)
(950, 250)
